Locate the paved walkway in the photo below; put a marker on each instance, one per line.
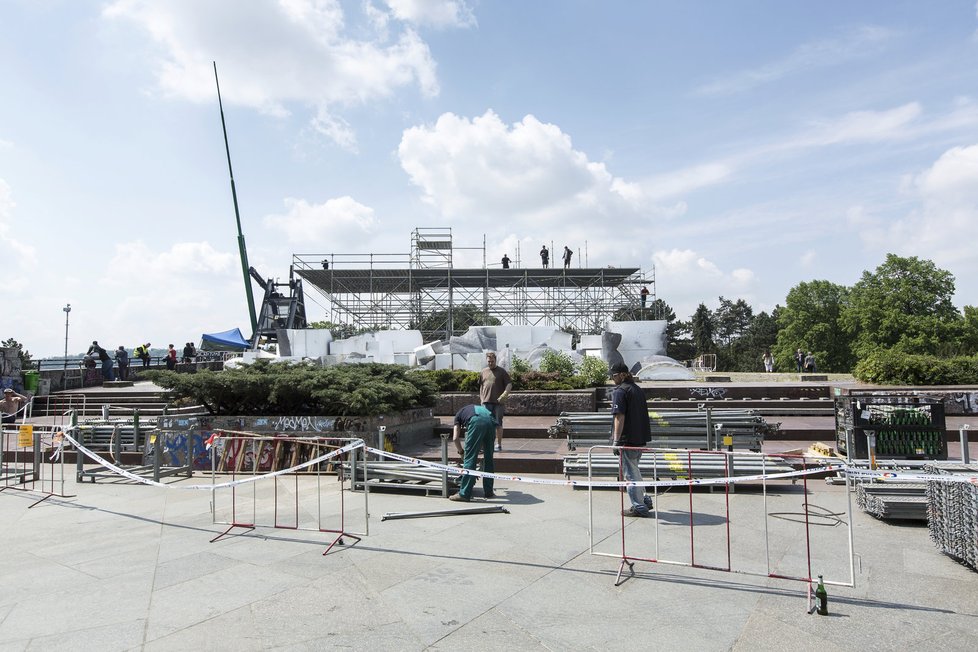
(124, 567)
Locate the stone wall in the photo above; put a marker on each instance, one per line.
(401, 429)
(525, 403)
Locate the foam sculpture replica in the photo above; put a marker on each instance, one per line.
(639, 344)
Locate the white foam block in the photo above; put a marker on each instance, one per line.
(401, 341)
(443, 361)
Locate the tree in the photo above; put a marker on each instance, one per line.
(339, 331)
(760, 336)
(904, 304)
(25, 356)
(810, 321)
(731, 320)
(463, 316)
(702, 330)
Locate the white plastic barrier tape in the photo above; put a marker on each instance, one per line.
(903, 476)
(606, 483)
(854, 473)
(208, 487)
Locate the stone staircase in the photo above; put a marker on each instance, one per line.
(91, 403)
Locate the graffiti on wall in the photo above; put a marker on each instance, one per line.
(708, 392)
(967, 403)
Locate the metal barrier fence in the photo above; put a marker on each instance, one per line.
(281, 506)
(22, 463)
(764, 476)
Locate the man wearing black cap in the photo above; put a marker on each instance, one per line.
(631, 431)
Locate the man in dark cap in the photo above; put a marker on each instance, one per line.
(630, 432)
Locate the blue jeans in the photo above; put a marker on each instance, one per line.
(107, 370)
(631, 472)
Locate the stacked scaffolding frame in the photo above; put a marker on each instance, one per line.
(404, 291)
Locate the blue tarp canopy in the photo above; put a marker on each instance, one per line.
(224, 340)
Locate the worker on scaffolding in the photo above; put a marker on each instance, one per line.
(545, 257)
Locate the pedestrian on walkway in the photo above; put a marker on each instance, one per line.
(11, 404)
(631, 431)
(122, 359)
(480, 427)
(103, 356)
(494, 388)
(142, 352)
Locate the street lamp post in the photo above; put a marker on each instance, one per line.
(67, 310)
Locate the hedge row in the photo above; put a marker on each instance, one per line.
(888, 367)
(265, 388)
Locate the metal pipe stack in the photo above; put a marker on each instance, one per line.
(893, 500)
(679, 465)
(953, 510)
(399, 475)
(687, 429)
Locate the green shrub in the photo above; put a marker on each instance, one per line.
(557, 362)
(542, 380)
(594, 372)
(451, 380)
(282, 388)
(519, 365)
(891, 367)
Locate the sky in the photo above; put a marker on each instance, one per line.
(736, 148)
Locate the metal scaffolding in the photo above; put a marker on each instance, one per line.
(424, 291)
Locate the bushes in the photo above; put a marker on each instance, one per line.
(265, 388)
(891, 367)
(556, 373)
(557, 362)
(451, 380)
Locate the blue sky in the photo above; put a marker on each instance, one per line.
(738, 147)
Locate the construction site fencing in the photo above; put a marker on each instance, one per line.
(800, 471)
(285, 501)
(23, 465)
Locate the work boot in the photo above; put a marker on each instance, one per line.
(640, 513)
(459, 498)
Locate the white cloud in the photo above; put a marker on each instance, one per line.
(865, 126)
(12, 250)
(135, 260)
(953, 179)
(435, 13)
(808, 56)
(482, 168)
(942, 227)
(686, 180)
(339, 219)
(296, 52)
(688, 279)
